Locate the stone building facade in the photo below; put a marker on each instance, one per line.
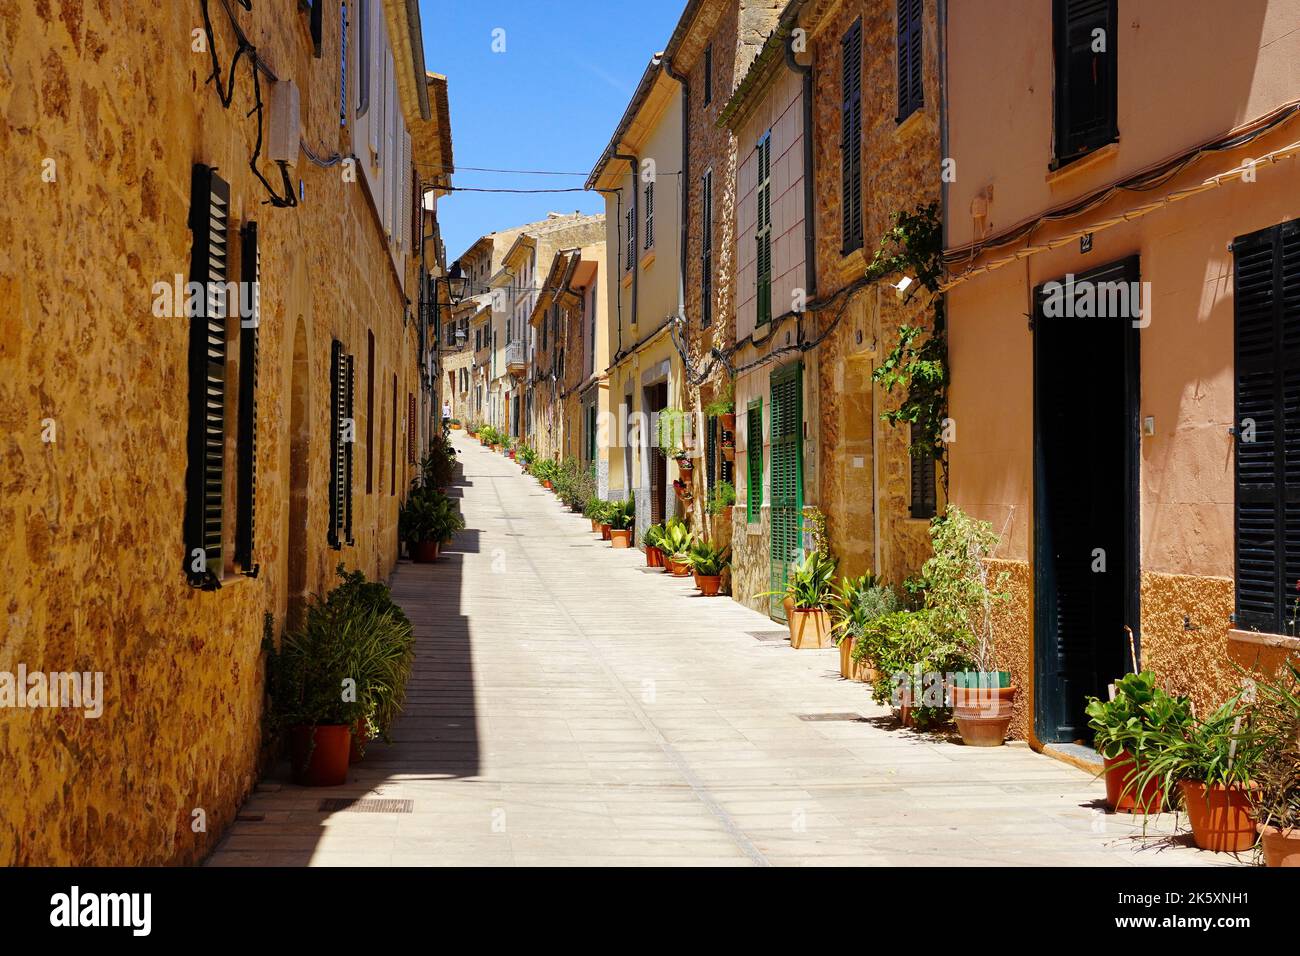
(117, 156)
(865, 473)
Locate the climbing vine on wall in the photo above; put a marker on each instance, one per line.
(917, 366)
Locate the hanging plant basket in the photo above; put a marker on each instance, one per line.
(728, 421)
(729, 450)
(683, 491)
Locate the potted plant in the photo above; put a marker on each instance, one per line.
(653, 537)
(957, 589)
(427, 520)
(622, 519)
(857, 602)
(724, 407)
(1207, 766)
(1275, 798)
(307, 681)
(810, 592)
(721, 499)
(708, 561)
(676, 545)
(1121, 728)
(594, 509)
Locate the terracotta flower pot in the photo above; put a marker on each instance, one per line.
(728, 421)
(546, 483)
(360, 735)
(654, 558)
(595, 525)
(678, 569)
(1281, 847)
(320, 754)
(809, 628)
(983, 714)
(846, 657)
(729, 452)
(709, 584)
(425, 552)
(1119, 771)
(620, 537)
(605, 529)
(1220, 816)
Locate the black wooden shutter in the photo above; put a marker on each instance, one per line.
(851, 138)
(711, 451)
(205, 470)
(317, 15)
(649, 215)
(246, 479)
(706, 250)
(1086, 79)
(924, 494)
(349, 415)
(1267, 425)
(337, 454)
(911, 91)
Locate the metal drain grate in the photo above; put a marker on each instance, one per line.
(769, 635)
(364, 805)
(840, 716)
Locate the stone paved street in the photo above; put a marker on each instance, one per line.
(569, 707)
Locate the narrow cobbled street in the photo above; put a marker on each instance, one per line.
(569, 706)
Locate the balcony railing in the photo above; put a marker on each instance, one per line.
(515, 357)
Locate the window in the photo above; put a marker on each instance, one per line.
(363, 57)
(246, 481)
(924, 501)
(315, 10)
(911, 93)
(410, 428)
(1084, 36)
(631, 238)
(708, 74)
(341, 442)
(649, 215)
(1266, 300)
(754, 452)
(851, 138)
(763, 233)
(205, 477)
(706, 250)
(392, 445)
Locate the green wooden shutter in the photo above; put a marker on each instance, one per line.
(206, 441)
(754, 451)
(786, 508)
(246, 483)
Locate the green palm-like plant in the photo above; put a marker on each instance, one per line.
(810, 583)
(707, 559)
(654, 536)
(677, 539)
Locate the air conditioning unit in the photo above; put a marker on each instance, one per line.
(286, 120)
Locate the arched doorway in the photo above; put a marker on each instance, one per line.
(299, 467)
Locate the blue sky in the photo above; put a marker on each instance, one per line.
(549, 102)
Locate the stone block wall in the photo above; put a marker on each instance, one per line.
(90, 524)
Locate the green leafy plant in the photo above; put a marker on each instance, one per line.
(621, 515)
(707, 559)
(438, 466)
(721, 497)
(1218, 750)
(671, 432)
(653, 536)
(428, 515)
(908, 650)
(857, 602)
(725, 403)
(810, 583)
(677, 539)
(957, 583)
(1139, 712)
(1275, 724)
(917, 365)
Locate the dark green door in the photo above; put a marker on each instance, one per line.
(787, 477)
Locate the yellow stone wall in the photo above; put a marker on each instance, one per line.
(90, 525)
